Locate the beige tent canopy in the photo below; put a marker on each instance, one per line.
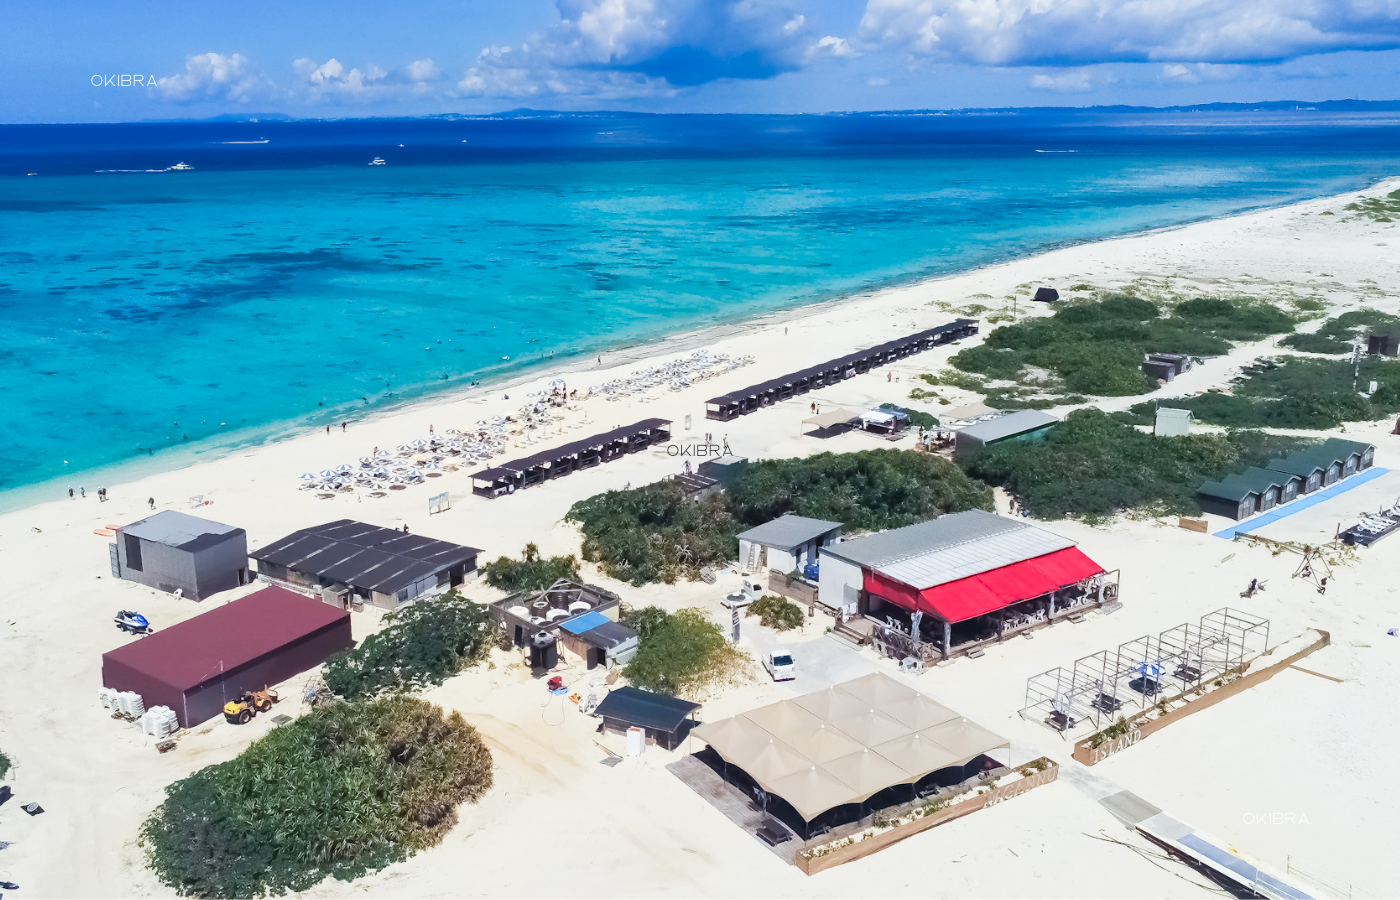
(838, 416)
(846, 743)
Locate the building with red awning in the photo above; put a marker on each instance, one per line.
(952, 584)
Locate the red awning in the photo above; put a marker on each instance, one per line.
(967, 598)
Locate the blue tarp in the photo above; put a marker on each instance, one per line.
(1283, 510)
(586, 622)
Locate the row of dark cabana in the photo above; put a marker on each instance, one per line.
(509, 477)
(766, 393)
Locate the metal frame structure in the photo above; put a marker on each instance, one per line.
(1136, 673)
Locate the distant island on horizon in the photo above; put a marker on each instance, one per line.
(526, 112)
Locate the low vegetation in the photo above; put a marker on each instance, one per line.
(1297, 392)
(653, 533)
(343, 789)
(1378, 209)
(1336, 335)
(777, 613)
(682, 654)
(4, 764)
(424, 643)
(530, 572)
(1093, 466)
(1097, 348)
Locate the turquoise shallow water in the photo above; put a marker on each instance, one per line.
(292, 283)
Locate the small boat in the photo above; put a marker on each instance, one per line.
(378, 161)
(259, 141)
(181, 167)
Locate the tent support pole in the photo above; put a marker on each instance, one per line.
(947, 638)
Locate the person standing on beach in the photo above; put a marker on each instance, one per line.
(152, 501)
(726, 445)
(342, 427)
(328, 429)
(82, 492)
(70, 493)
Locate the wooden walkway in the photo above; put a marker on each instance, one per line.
(733, 803)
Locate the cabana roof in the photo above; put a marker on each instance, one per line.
(564, 451)
(840, 362)
(846, 743)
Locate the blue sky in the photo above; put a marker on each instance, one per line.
(64, 62)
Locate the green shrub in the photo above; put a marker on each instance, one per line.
(1316, 343)
(4, 765)
(424, 643)
(1301, 393)
(530, 572)
(682, 653)
(343, 789)
(1336, 335)
(868, 490)
(1094, 466)
(777, 613)
(1097, 347)
(653, 533)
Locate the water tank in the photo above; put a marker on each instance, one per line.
(544, 650)
(579, 606)
(520, 611)
(557, 614)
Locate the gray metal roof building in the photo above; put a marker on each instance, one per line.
(1023, 423)
(948, 548)
(789, 531)
(173, 551)
(385, 566)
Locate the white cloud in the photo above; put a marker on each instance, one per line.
(1076, 32)
(1072, 81)
(620, 48)
(834, 46)
(1192, 73)
(214, 76)
(421, 70)
(332, 79)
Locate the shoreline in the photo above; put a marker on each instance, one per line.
(628, 352)
(99, 779)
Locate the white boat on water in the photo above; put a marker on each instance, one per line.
(181, 167)
(378, 161)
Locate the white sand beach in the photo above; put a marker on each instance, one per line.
(559, 822)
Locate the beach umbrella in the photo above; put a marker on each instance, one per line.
(558, 382)
(433, 467)
(328, 474)
(420, 443)
(403, 448)
(343, 469)
(380, 472)
(1148, 670)
(366, 462)
(454, 432)
(309, 476)
(383, 454)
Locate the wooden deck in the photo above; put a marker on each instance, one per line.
(733, 803)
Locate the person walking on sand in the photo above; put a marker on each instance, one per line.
(342, 427)
(328, 429)
(152, 501)
(726, 445)
(70, 493)
(82, 492)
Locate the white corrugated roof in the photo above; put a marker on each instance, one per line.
(953, 546)
(974, 557)
(1008, 425)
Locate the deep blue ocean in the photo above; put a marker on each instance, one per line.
(288, 283)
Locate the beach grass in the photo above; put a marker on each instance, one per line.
(682, 654)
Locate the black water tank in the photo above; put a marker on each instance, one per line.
(544, 650)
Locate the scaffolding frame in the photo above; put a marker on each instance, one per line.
(1138, 673)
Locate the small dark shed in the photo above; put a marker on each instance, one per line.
(1383, 344)
(197, 666)
(668, 719)
(1046, 295)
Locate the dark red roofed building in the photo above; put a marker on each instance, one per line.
(197, 666)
